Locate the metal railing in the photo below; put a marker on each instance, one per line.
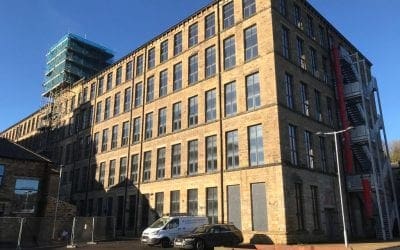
(18, 232)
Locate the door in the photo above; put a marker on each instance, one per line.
(330, 222)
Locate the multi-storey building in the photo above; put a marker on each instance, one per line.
(219, 116)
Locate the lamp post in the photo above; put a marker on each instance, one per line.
(335, 134)
(58, 198)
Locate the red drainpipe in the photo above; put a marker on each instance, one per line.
(347, 153)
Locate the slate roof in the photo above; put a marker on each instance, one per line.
(11, 150)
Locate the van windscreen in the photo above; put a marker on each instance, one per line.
(159, 223)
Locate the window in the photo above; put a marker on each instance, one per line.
(111, 173)
(109, 81)
(293, 144)
(177, 85)
(117, 100)
(134, 168)
(118, 78)
(283, 7)
(160, 163)
(211, 153)
(125, 133)
(301, 57)
(128, 71)
(122, 169)
(310, 27)
(176, 160)
(1, 173)
(192, 202)
(304, 99)
(210, 61)
(232, 149)
(329, 110)
(193, 69)
(138, 94)
(177, 43)
(325, 76)
(211, 110)
(147, 166)
(160, 204)
(253, 91)
(322, 36)
(193, 156)
(162, 121)
(229, 53)
(139, 65)
(174, 206)
(136, 130)
(289, 91)
(193, 36)
(315, 207)
(114, 136)
(256, 147)
(84, 98)
(285, 42)
(101, 85)
(164, 51)
(249, 8)
(193, 111)
(176, 116)
(151, 60)
(314, 66)
(228, 15)
(212, 204)
(309, 149)
(92, 91)
(104, 140)
(127, 99)
(150, 89)
(102, 173)
(107, 108)
(26, 191)
(163, 83)
(299, 206)
(318, 112)
(98, 112)
(250, 43)
(322, 149)
(210, 25)
(96, 143)
(230, 99)
(297, 16)
(149, 126)
(259, 213)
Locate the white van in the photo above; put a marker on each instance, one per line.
(164, 230)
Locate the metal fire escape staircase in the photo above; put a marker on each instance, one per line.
(363, 146)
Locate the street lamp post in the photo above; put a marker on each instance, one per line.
(335, 134)
(58, 198)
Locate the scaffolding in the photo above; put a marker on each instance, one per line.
(71, 59)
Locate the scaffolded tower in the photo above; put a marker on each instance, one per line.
(69, 60)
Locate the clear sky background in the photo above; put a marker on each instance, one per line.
(29, 28)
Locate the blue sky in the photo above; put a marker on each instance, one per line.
(29, 28)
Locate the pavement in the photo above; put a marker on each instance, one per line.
(136, 245)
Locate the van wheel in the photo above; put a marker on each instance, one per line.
(200, 245)
(165, 243)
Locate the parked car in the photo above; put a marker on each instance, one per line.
(164, 230)
(208, 236)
